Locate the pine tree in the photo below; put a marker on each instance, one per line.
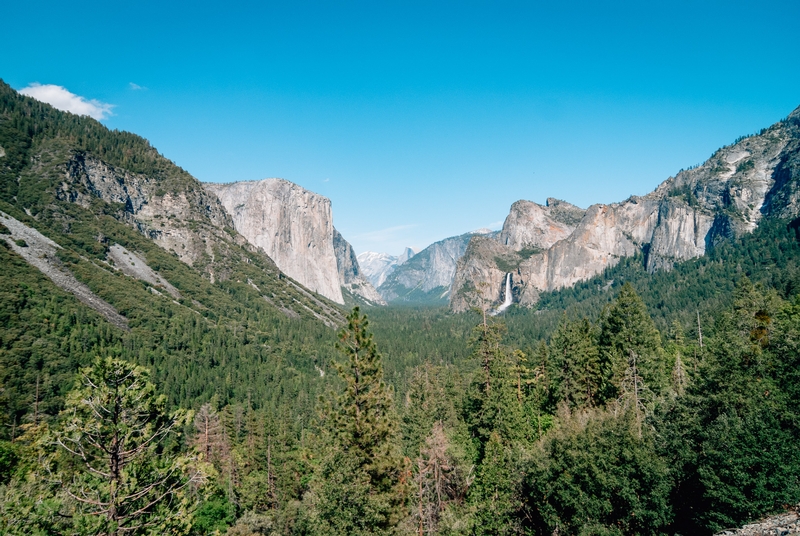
(495, 490)
(360, 483)
(626, 327)
(114, 431)
(576, 363)
(493, 405)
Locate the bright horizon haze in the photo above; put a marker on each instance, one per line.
(419, 121)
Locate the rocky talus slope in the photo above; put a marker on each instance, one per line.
(787, 524)
(726, 196)
(41, 253)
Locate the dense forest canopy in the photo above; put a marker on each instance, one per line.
(631, 403)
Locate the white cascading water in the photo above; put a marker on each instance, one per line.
(508, 298)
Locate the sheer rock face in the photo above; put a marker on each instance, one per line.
(685, 216)
(188, 221)
(477, 275)
(530, 225)
(350, 276)
(293, 226)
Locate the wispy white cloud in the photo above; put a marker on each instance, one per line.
(61, 98)
(136, 87)
(385, 235)
(325, 180)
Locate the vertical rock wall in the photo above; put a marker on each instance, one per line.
(292, 225)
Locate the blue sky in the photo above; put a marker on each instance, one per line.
(422, 120)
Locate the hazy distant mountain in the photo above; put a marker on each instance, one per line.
(426, 277)
(377, 266)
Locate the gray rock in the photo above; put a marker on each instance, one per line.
(682, 219)
(185, 220)
(350, 276)
(293, 226)
(427, 276)
(376, 266)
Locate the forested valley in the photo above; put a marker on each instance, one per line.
(631, 403)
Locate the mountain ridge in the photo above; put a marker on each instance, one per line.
(680, 219)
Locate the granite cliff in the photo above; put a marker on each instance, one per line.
(181, 218)
(294, 227)
(554, 246)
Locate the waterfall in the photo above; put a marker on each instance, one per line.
(508, 298)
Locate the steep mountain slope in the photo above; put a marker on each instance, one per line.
(64, 171)
(109, 248)
(684, 217)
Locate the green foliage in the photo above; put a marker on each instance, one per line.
(214, 514)
(745, 165)
(596, 477)
(733, 436)
(626, 331)
(685, 194)
(510, 262)
(117, 468)
(9, 459)
(493, 404)
(574, 365)
(358, 486)
(494, 492)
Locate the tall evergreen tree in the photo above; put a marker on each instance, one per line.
(626, 329)
(492, 404)
(575, 363)
(121, 475)
(360, 483)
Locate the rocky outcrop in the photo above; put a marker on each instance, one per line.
(350, 276)
(685, 216)
(529, 225)
(185, 220)
(293, 226)
(405, 256)
(477, 274)
(785, 524)
(427, 276)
